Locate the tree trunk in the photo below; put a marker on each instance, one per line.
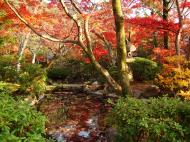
(33, 58)
(22, 47)
(121, 47)
(188, 49)
(165, 18)
(177, 41)
(155, 40)
(87, 47)
(117, 88)
(107, 76)
(178, 33)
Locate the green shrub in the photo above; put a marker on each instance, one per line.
(73, 71)
(154, 120)
(32, 79)
(144, 69)
(19, 122)
(7, 70)
(6, 60)
(88, 72)
(59, 73)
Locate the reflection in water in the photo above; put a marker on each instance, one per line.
(75, 117)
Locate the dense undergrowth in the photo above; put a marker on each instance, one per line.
(153, 120)
(162, 119)
(174, 78)
(18, 120)
(31, 78)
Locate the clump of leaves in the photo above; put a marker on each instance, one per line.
(7, 70)
(157, 119)
(19, 121)
(175, 75)
(184, 94)
(144, 69)
(32, 79)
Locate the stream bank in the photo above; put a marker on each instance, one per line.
(77, 114)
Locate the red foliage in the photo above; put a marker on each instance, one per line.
(161, 54)
(110, 36)
(185, 5)
(99, 51)
(151, 23)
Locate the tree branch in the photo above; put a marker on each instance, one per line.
(29, 26)
(78, 23)
(76, 7)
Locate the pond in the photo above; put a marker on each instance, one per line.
(75, 117)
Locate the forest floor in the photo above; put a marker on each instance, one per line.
(77, 116)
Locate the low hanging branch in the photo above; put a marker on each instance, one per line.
(84, 39)
(29, 26)
(88, 48)
(44, 36)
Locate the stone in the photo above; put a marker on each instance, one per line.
(84, 134)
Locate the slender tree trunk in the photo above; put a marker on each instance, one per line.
(121, 47)
(117, 88)
(165, 18)
(177, 41)
(107, 76)
(22, 47)
(178, 33)
(155, 41)
(129, 38)
(33, 58)
(166, 39)
(188, 49)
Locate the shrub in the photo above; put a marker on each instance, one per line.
(173, 81)
(32, 79)
(7, 71)
(88, 72)
(184, 94)
(144, 69)
(6, 60)
(73, 70)
(172, 78)
(19, 122)
(59, 73)
(160, 120)
(8, 87)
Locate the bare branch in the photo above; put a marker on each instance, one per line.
(76, 7)
(87, 34)
(29, 26)
(78, 23)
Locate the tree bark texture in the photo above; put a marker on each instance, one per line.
(121, 47)
(165, 18)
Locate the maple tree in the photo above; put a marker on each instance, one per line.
(172, 10)
(89, 28)
(82, 32)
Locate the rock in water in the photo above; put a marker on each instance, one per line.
(84, 134)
